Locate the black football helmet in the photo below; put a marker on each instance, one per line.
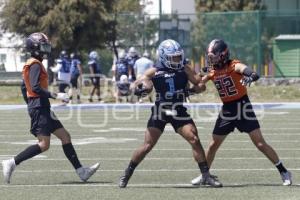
(38, 45)
(217, 54)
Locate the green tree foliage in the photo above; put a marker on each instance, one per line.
(239, 29)
(70, 24)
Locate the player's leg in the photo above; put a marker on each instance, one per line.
(213, 147)
(84, 173)
(151, 137)
(8, 166)
(190, 134)
(98, 88)
(223, 126)
(259, 141)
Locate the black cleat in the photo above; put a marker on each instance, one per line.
(123, 181)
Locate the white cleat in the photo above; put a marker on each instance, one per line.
(211, 180)
(197, 180)
(286, 178)
(85, 173)
(8, 166)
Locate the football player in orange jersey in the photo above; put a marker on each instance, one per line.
(231, 78)
(43, 120)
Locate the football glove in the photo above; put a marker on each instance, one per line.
(140, 90)
(246, 81)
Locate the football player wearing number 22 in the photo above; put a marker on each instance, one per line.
(170, 76)
(231, 78)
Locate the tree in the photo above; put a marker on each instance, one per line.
(70, 24)
(239, 29)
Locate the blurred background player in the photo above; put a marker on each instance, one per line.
(43, 120)
(231, 78)
(132, 57)
(62, 68)
(169, 77)
(64, 73)
(76, 73)
(141, 65)
(95, 71)
(122, 70)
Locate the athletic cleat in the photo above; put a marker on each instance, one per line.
(286, 178)
(124, 181)
(197, 180)
(85, 173)
(210, 181)
(8, 166)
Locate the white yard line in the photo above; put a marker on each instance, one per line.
(154, 158)
(156, 170)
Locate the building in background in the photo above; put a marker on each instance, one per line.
(282, 4)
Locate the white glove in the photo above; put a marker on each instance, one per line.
(62, 96)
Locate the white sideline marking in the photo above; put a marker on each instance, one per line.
(159, 185)
(83, 141)
(37, 157)
(158, 149)
(154, 158)
(154, 170)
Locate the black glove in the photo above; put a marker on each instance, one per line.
(140, 90)
(247, 81)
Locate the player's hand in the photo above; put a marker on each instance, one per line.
(94, 81)
(246, 81)
(53, 95)
(140, 90)
(63, 96)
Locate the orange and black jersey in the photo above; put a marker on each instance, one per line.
(35, 84)
(227, 82)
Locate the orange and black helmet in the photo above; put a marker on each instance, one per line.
(38, 45)
(217, 54)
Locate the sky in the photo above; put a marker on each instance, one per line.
(153, 6)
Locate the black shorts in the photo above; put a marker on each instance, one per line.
(74, 81)
(96, 81)
(43, 121)
(238, 114)
(160, 117)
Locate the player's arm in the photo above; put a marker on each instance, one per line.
(195, 79)
(34, 77)
(138, 86)
(24, 91)
(249, 75)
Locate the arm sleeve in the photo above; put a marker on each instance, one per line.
(24, 92)
(34, 77)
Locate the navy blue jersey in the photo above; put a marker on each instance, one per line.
(131, 61)
(95, 65)
(170, 85)
(74, 66)
(122, 68)
(65, 65)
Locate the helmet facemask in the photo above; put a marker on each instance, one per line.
(217, 60)
(174, 61)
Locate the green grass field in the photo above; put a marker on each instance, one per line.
(167, 170)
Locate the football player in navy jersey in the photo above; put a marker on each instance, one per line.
(95, 70)
(123, 75)
(132, 57)
(170, 76)
(76, 72)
